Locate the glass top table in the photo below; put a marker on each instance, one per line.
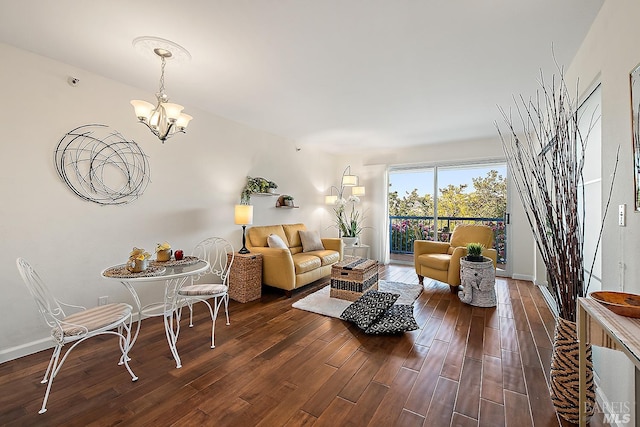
(174, 274)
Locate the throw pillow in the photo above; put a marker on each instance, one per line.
(310, 241)
(398, 318)
(366, 309)
(275, 241)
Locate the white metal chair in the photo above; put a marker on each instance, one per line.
(76, 327)
(215, 250)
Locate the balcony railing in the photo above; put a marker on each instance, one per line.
(403, 230)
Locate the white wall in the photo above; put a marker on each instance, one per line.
(195, 181)
(608, 54)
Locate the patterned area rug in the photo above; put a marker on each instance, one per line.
(321, 302)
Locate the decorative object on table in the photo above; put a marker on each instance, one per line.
(635, 116)
(321, 302)
(165, 119)
(547, 163)
(478, 280)
(257, 185)
(352, 277)
(621, 303)
(245, 277)
(243, 216)
(216, 251)
(347, 225)
(138, 260)
(100, 165)
(71, 330)
(178, 255)
(163, 252)
(474, 252)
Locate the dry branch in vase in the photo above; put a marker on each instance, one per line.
(546, 159)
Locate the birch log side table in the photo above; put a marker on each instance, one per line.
(245, 277)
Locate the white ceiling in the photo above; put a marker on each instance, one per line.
(339, 74)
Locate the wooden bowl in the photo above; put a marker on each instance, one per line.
(619, 302)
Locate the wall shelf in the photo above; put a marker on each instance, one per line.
(281, 204)
(265, 194)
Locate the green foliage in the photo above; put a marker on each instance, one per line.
(349, 225)
(488, 199)
(475, 249)
(255, 185)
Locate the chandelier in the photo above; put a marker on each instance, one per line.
(165, 118)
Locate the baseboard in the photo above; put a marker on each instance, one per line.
(527, 277)
(16, 352)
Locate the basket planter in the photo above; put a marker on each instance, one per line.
(565, 387)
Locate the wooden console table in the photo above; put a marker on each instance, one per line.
(600, 326)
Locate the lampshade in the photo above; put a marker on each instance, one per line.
(172, 110)
(349, 180)
(330, 200)
(183, 121)
(358, 191)
(143, 109)
(244, 214)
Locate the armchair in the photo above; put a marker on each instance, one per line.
(441, 260)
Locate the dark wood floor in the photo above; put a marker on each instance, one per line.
(276, 365)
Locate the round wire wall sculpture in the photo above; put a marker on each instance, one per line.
(101, 166)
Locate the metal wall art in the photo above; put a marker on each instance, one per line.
(101, 166)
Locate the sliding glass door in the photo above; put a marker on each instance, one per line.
(428, 202)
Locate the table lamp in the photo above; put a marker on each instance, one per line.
(244, 217)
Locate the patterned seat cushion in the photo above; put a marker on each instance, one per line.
(366, 309)
(91, 320)
(398, 318)
(202, 289)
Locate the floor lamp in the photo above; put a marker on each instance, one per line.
(243, 216)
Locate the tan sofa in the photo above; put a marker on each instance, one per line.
(292, 268)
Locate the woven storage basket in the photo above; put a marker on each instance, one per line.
(245, 277)
(352, 277)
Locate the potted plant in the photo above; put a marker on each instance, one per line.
(287, 200)
(256, 185)
(474, 252)
(546, 162)
(349, 226)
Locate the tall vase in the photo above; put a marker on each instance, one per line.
(565, 386)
